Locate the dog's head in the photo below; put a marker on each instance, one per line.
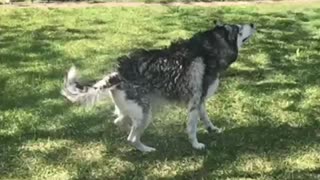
(236, 33)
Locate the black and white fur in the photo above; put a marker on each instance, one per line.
(187, 72)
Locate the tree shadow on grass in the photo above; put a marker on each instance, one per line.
(77, 128)
(27, 88)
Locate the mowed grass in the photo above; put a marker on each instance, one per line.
(268, 101)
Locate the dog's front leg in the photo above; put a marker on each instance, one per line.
(194, 112)
(205, 119)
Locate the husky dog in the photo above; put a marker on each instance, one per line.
(186, 72)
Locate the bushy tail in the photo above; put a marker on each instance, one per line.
(87, 95)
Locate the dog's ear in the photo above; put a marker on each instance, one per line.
(218, 23)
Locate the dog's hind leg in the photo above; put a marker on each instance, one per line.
(205, 119)
(135, 116)
(135, 135)
(141, 117)
(123, 122)
(116, 111)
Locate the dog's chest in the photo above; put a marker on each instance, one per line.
(212, 88)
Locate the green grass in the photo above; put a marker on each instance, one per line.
(268, 101)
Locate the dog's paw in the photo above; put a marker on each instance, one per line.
(144, 148)
(198, 146)
(214, 129)
(148, 149)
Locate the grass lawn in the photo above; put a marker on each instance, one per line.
(146, 1)
(268, 101)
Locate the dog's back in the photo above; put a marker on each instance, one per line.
(173, 71)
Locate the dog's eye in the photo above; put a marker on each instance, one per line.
(240, 34)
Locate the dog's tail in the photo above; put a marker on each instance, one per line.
(87, 95)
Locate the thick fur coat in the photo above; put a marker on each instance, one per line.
(186, 72)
